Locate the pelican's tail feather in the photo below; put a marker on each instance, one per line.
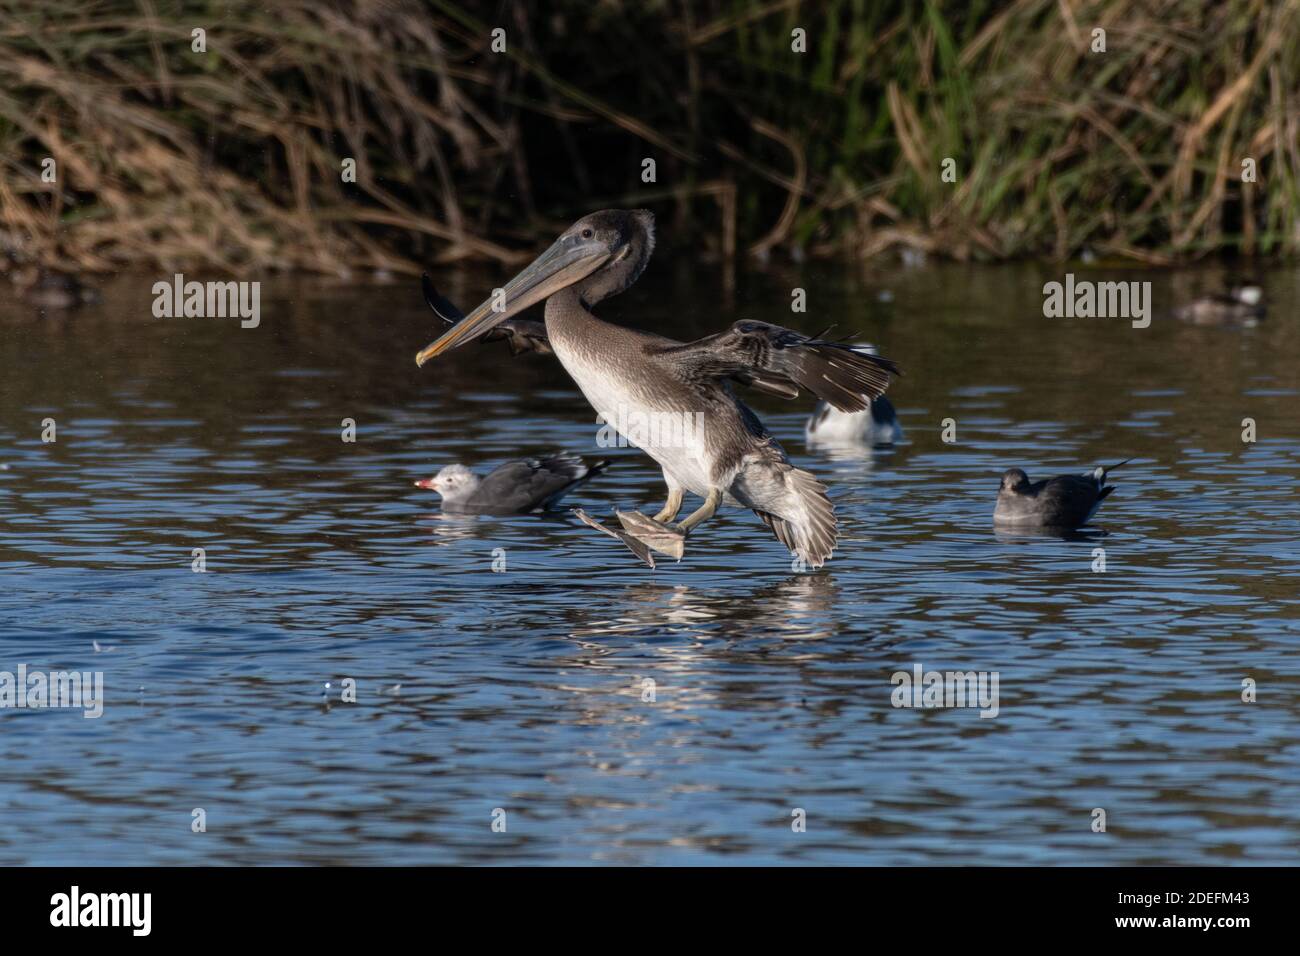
(808, 529)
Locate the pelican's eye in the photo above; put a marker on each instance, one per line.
(587, 234)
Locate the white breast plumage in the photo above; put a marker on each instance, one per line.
(619, 405)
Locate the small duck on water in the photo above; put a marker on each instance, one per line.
(53, 290)
(1241, 305)
(517, 487)
(1066, 501)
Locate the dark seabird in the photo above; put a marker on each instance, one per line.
(1242, 305)
(1066, 501)
(517, 487)
(675, 400)
(54, 290)
(877, 425)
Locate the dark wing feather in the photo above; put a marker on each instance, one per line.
(442, 306)
(780, 387)
(522, 335)
(781, 361)
(1067, 500)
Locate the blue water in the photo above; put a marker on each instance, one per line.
(522, 690)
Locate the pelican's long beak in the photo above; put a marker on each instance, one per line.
(569, 260)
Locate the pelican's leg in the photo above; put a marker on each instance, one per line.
(671, 508)
(703, 513)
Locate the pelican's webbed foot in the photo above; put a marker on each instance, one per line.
(654, 534)
(633, 544)
(643, 534)
(657, 535)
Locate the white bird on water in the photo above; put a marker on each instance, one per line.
(876, 425)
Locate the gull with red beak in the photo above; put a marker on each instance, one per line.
(675, 400)
(525, 486)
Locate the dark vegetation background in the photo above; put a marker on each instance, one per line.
(231, 159)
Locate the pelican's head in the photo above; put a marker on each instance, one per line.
(601, 254)
(453, 482)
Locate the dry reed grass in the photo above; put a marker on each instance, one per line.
(230, 159)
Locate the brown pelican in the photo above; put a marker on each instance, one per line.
(674, 400)
(517, 487)
(1066, 501)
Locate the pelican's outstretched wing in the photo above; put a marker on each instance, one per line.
(522, 335)
(781, 361)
